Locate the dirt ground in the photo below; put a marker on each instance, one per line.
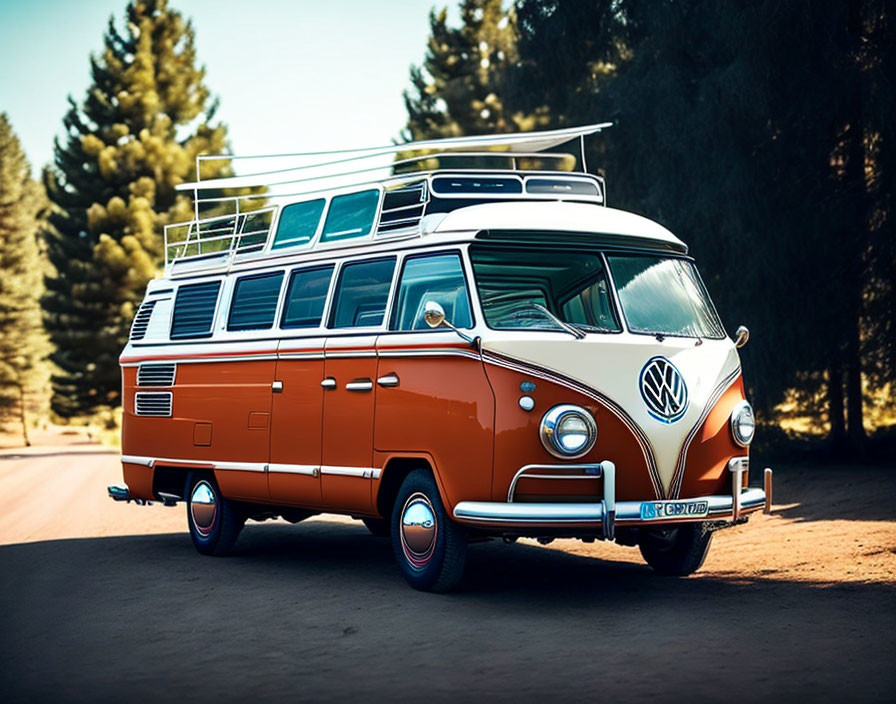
(102, 601)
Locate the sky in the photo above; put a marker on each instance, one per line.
(292, 76)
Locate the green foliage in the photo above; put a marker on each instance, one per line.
(134, 138)
(24, 345)
(762, 133)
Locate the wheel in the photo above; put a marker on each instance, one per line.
(676, 551)
(378, 527)
(215, 522)
(430, 548)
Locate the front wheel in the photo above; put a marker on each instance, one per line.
(215, 522)
(430, 548)
(676, 551)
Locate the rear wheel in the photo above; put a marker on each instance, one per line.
(430, 548)
(215, 522)
(676, 550)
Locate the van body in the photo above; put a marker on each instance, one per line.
(451, 355)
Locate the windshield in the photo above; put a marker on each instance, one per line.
(664, 296)
(533, 289)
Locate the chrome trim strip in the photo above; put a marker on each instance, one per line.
(204, 360)
(626, 512)
(428, 353)
(350, 355)
(241, 466)
(522, 470)
(362, 472)
(497, 512)
(311, 470)
(300, 355)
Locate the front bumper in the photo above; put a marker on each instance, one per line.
(608, 513)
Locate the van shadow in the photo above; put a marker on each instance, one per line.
(846, 493)
(321, 609)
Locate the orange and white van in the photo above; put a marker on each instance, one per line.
(444, 354)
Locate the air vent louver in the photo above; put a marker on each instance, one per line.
(156, 374)
(153, 403)
(141, 320)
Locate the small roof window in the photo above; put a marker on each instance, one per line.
(351, 215)
(298, 223)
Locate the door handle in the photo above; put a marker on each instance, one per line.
(329, 383)
(277, 387)
(388, 381)
(359, 385)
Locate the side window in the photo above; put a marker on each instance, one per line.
(306, 296)
(362, 293)
(298, 223)
(255, 302)
(350, 215)
(194, 310)
(438, 278)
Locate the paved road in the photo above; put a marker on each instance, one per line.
(318, 612)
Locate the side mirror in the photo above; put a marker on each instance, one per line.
(433, 314)
(741, 336)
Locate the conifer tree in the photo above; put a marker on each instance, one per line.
(135, 136)
(24, 345)
(459, 88)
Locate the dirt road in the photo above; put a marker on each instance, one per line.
(107, 602)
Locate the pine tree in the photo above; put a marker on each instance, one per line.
(458, 90)
(146, 116)
(24, 345)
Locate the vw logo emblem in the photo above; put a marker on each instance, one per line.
(663, 390)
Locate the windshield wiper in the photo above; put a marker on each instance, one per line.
(578, 334)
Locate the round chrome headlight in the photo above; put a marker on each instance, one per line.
(568, 431)
(743, 424)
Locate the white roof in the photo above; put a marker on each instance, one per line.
(555, 216)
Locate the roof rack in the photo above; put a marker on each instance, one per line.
(403, 197)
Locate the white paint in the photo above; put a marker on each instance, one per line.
(611, 364)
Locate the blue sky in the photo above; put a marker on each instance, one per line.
(292, 76)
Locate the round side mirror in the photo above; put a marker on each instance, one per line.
(741, 336)
(433, 314)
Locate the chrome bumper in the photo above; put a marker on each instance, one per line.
(609, 513)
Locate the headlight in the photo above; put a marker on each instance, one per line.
(743, 424)
(568, 431)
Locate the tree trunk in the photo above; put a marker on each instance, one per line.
(835, 408)
(23, 415)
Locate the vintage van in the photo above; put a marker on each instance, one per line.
(445, 354)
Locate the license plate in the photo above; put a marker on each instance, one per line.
(659, 510)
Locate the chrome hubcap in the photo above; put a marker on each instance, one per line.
(203, 508)
(419, 530)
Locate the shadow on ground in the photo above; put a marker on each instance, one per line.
(831, 492)
(318, 612)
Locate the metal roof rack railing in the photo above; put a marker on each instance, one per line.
(405, 194)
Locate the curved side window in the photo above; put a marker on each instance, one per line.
(298, 223)
(306, 296)
(438, 278)
(351, 215)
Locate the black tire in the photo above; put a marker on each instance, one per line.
(378, 527)
(440, 566)
(676, 550)
(213, 531)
